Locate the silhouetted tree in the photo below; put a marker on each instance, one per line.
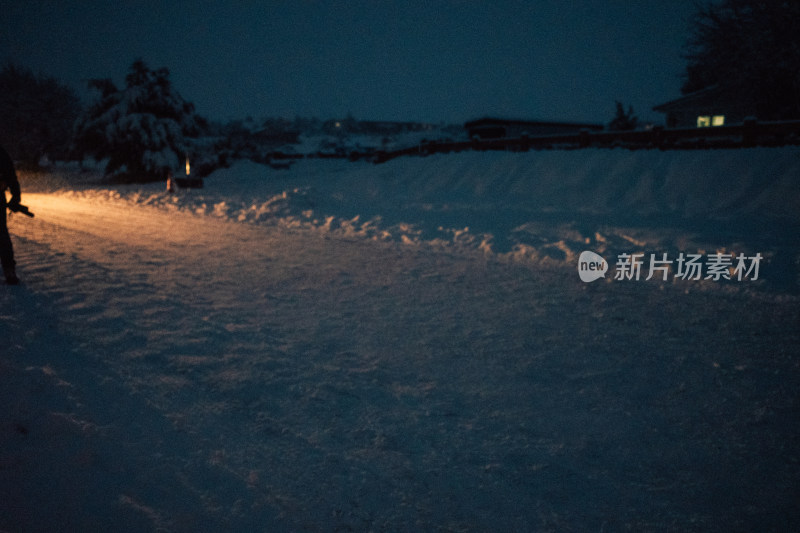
(144, 129)
(36, 113)
(623, 120)
(751, 50)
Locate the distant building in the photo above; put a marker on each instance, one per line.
(498, 128)
(276, 137)
(372, 127)
(390, 128)
(706, 108)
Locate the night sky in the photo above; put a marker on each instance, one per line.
(433, 61)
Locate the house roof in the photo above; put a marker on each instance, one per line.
(696, 97)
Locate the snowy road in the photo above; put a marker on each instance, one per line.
(176, 372)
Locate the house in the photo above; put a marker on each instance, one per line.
(705, 108)
(271, 136)
(498, 128)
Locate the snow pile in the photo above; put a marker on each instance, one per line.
(533, 207)
(296, 351)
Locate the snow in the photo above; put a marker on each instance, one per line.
(403, 347)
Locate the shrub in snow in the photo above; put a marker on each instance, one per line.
(143, 130)
(623, 120)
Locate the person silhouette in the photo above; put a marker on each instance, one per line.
(8, 180)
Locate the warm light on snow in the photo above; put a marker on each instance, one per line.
(71, 212)
(40, 203)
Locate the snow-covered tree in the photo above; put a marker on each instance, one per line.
(749, 49)
(143, 130)
(37, 114)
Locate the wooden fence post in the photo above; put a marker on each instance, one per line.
(584, 138)
(657, 136)
(749, 131)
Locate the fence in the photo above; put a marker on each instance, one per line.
(749, 133)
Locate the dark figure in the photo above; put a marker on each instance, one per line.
(8, 180)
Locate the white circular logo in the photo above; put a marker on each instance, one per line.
(591, 266)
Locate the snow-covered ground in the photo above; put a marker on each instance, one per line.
(404, 347)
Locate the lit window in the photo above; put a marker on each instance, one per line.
(703, 121)
(718, 120)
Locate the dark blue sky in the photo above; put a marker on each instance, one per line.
(411, 60)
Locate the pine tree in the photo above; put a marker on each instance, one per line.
(37, 114)
(144, 130)
(750, 50)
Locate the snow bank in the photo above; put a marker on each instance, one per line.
(536, 206)
(721, 184)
